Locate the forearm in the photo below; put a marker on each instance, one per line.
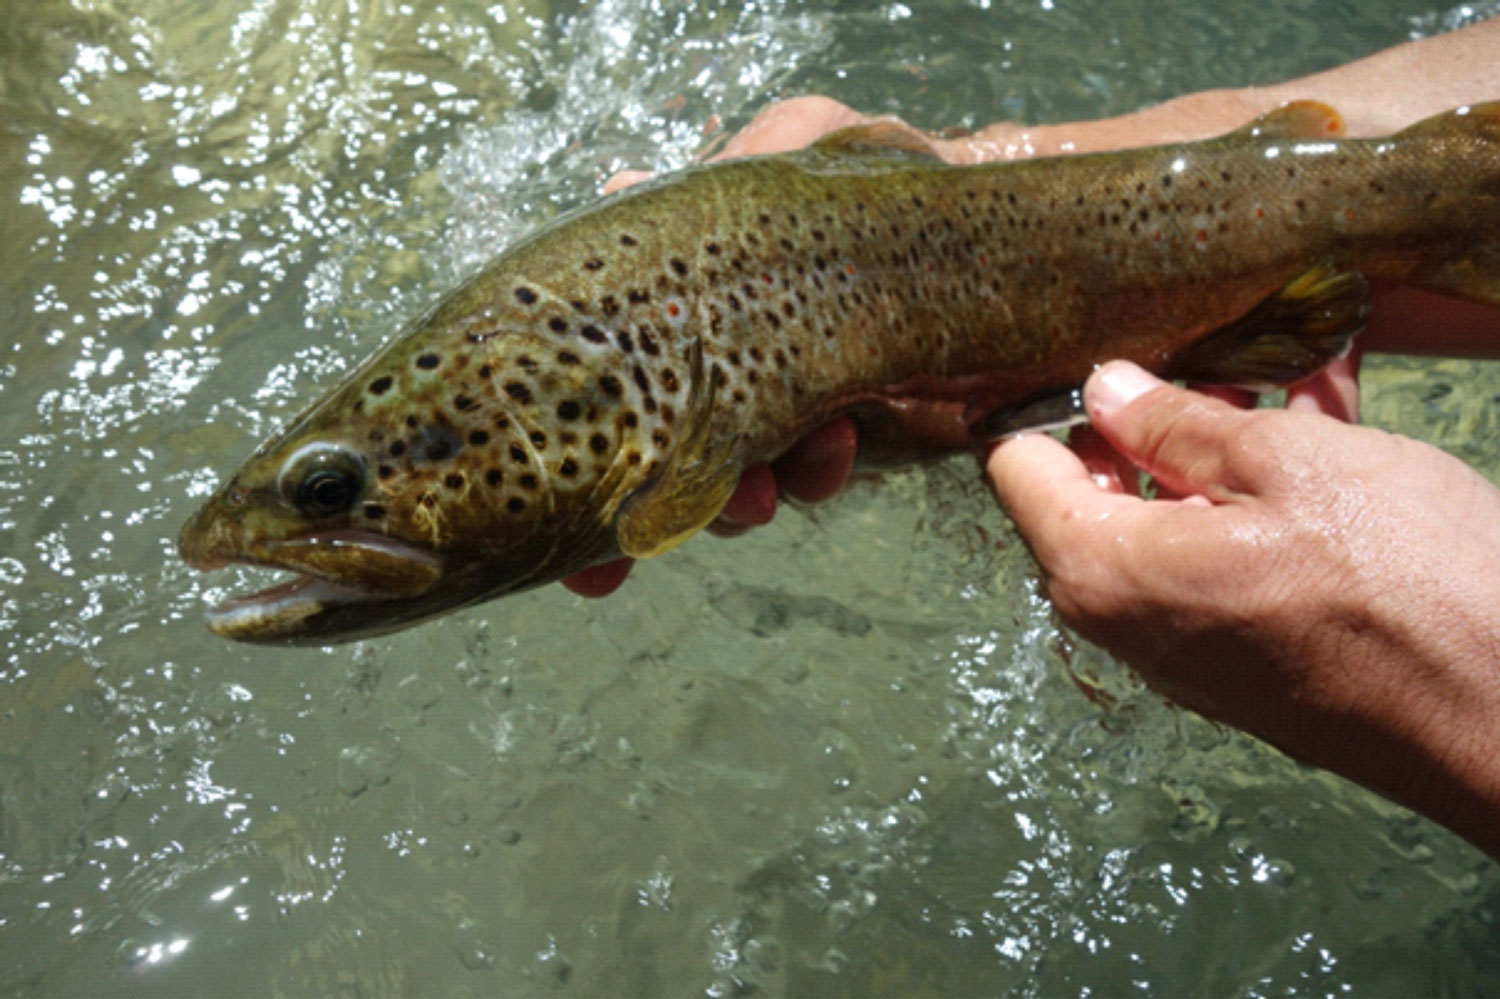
(1378, 95)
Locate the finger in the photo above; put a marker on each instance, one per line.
(752, 503)
(1332, 390)
(599, 580)
(818, 466)
(1110, 470)
(624, 179)
(1050, 494)
(1186, 441)
(1239, 398)
(789, 125)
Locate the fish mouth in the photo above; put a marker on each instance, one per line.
(345, 585)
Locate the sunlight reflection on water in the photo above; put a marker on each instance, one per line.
(877, 775)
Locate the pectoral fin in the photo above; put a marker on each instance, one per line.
(691, 488)
(1286, 337)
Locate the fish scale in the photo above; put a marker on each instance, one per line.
(598, 388)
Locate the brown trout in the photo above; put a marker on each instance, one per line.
(599, 386)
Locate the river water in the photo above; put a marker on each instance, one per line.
(846, 754)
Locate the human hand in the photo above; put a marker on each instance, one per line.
(1326, 587)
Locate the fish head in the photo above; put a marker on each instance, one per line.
(452, 467)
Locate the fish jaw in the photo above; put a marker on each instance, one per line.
(346, 583)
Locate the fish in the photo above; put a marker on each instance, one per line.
(597, 388)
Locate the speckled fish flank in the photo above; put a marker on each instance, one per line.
(599, 386)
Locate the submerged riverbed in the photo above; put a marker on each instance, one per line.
(846, 754)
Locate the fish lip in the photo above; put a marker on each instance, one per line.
(332, 570)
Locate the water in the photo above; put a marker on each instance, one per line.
(872, 774)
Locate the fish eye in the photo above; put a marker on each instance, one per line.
(322, 479)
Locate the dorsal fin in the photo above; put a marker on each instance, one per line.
(1477, 119)
(1305, 120)
(876, 138)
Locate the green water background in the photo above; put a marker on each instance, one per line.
(847, 754)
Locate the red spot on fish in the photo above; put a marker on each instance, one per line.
(674, 310)
(1156, 234)
(1203, 235)
(849, 269)
(1260, 213)
(984, 261)
(1349, 214)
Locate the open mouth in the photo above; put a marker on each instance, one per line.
(344, 581)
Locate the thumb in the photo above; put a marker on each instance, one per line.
(1188, 442)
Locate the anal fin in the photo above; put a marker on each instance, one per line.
(1285, 338)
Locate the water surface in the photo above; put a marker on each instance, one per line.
(847, 754)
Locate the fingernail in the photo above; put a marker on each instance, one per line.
(1116, 385)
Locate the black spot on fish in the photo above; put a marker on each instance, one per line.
(478, 438)
(411, 421)
(385, 471)
(557, 324)
(518, 454)
(638, 296)
(609, 306)
(679, 267)
(568, 410)
(598, 443)
(648, 342)
(515, 504)
(438, 450)
(539, 438)
(669, 380)
(518, 391)
(611, 385)
(428, 361)
(593, 334)
(629, 419)
(568, 467)
(528, 481)
(567, 357)
(380, 385)
(525, 296)
(463, 403)
(494, 477)
(623, 339)
(640, 379)
(593, 264)
(627, 240)
(485, 371)
(397, 448)
(454, 480)
(713, 249)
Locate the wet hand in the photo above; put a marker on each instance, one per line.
(1326, 587)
